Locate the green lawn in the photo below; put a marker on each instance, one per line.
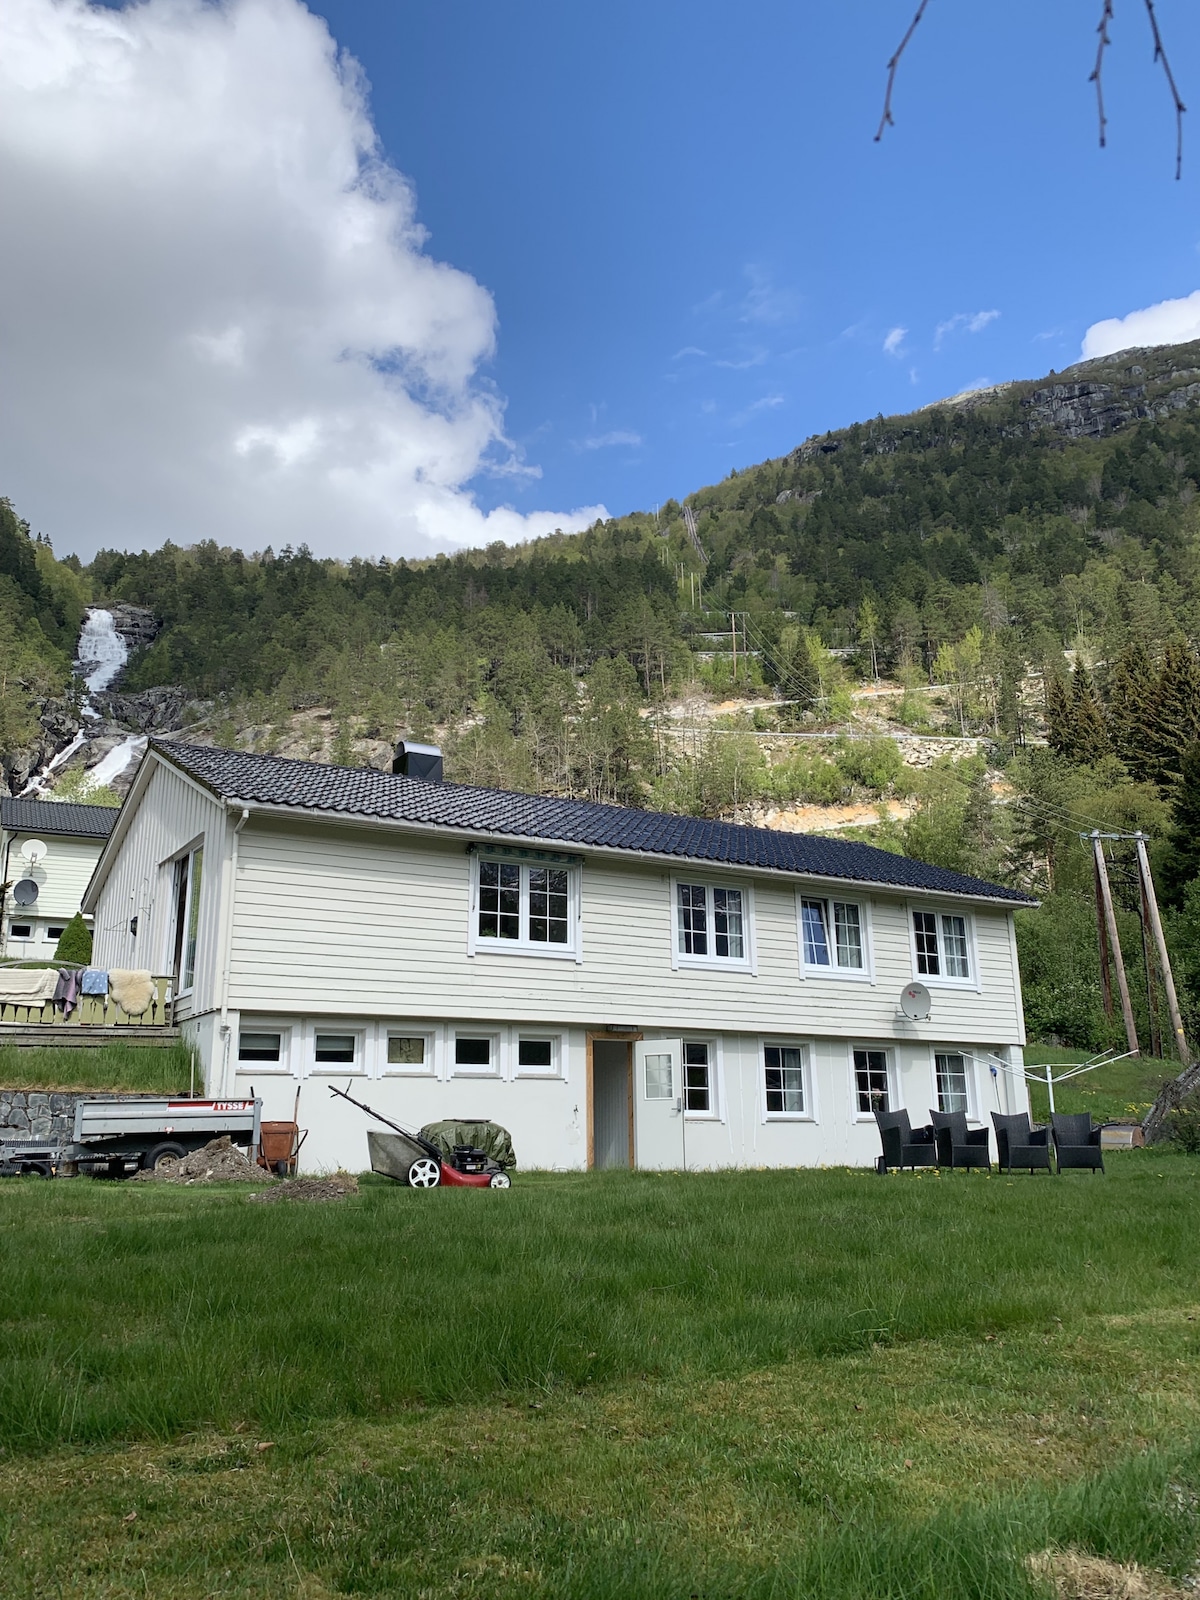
(818, 1384)
(143, 1068)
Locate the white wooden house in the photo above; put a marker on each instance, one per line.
(615, 986)
(48, 852)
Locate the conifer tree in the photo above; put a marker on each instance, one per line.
(1132, 715)
(801, 681)
(1181, 864)
(1177, 710)
(75, 942)
(1089, 735)
(1060, 717)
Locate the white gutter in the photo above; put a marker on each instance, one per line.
(227, 940)
(466, 835)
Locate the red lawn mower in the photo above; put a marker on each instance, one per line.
(416, 1160)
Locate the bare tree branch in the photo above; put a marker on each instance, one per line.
(1097, 76)
(1161, 55)
(886, 119)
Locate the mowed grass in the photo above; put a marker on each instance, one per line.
(761, 1384)
(137, 1068)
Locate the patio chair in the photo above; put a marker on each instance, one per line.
(904, 1145)
(1076, 1142)
(1020, 1144)
(958, 1145)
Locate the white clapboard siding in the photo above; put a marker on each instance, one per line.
(334, 919)
(173, 814)
(61, 876)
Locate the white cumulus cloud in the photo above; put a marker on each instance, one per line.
(218, 313)
(1168, 322)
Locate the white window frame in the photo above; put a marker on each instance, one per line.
(285, 1067)
(494, 1069)
(24, 938)
(895, 1099)
(748, 960)
(524, 946)
(809, 1114)
(969, 1074)
(672, 1097)
(185, 856)
(716, 1097)
(50, 936)
(557, 1053)
(863, 974)
(939, 980)
(406, 1030)
(335, 1069)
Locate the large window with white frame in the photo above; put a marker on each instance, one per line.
(953, 1080)
(531, 908)
(189, 877)
(712, 925)
(700, 1077)
(942, 946)
(833, 936)
(785, 1081)
(872, 1080)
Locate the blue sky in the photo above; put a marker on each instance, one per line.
(659, 242)
(696, 249)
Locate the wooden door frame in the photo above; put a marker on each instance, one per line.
(628, 1038)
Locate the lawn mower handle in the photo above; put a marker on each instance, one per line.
(430, 1149)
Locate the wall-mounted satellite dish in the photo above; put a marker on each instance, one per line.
(34, 851)
(25, 892)
(915, 1003)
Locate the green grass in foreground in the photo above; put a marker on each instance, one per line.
(817, 1384)
(144, 1068)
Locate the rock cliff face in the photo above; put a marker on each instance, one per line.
(135, 624)
(1088, 401)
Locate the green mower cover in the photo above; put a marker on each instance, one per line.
(487, 1136)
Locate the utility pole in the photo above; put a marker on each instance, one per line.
(1102, 933)
(1164, 959)
(733, 631)
(1114, 940)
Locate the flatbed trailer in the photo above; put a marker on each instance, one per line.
(118, 1137)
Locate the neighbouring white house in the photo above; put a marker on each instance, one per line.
(48, 851)
(617, 987)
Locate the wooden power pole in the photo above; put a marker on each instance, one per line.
(1164, 960)
(1114, 942)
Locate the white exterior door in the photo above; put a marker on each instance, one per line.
(658, 1104)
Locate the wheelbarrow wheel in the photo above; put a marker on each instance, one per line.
(425, 1173)
(500, 1180)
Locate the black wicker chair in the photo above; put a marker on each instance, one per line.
(1076, 1142)
(904, 1145)
(1020, 1144)
(958, 1145)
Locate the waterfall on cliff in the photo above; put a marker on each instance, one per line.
(101, 653)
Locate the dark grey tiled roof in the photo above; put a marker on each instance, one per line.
(49, 816)
(363, 792)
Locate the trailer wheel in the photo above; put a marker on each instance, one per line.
(500, 1180)
(425, 1173)
(158, 1153)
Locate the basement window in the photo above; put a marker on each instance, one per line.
(56, 930)
(333, 1049)
(21, 930)
(476, 1053)
(259, 1046)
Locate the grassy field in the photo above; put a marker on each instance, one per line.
(818, 1384)
(144, 1068)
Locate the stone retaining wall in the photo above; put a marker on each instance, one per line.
(46, 1114)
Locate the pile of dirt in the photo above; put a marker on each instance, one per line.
(1077, 1576)
(342, 1183)
(220, 1161)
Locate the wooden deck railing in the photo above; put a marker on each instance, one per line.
(92, 1011)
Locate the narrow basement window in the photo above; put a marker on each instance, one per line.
(536, 1055)
(259, 1046)
(56, 930)
(333, 1048)
(472, 1052)
(405, 1050)
(21, 930)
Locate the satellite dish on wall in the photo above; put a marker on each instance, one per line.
(34, 851)
(915, 1003)
(25, 892)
